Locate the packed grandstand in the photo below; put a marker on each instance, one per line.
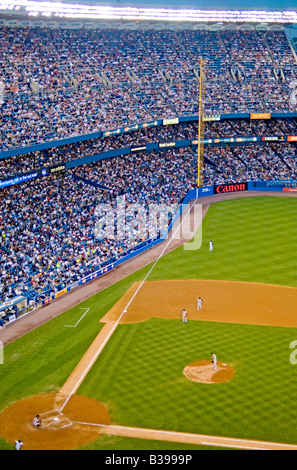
(91, 117)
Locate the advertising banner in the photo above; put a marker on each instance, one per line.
(211, 117)
(273, 138)
(138, 149)
(260, 116)
(57, 168)
(230, 188)
(18, 179)
(168, 122)
(205, 191)
(166, 145)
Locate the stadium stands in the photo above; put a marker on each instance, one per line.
(48, 228)
(23, 163)
(61, 83)
(64, 83)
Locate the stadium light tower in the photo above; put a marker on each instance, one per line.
(201, 124)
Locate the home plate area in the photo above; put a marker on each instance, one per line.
(55, 420)
(77, 424)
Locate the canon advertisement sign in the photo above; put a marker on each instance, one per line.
(230, 188)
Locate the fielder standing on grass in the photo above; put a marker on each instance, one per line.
(210, 246)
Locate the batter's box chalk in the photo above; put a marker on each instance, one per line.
(54, 419)
(60, 423)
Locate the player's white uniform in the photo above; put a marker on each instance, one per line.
(199, 304)
(184, 315)
(214, 362)
(210, 246)
(18, 444)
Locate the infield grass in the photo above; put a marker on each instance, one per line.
(145, 386)
(139, 373)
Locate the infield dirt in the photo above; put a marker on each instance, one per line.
(223, 301)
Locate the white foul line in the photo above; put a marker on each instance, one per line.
(74, 326)
(124, 311)
(216, 440)
(232, 446)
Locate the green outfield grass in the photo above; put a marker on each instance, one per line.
(139, 376)
(254, 240)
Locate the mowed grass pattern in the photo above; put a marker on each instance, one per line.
(254, 240)
(139, 373)
(140, 378)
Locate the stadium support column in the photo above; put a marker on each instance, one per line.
(201, 125)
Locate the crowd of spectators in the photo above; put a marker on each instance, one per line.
(21, 164)
(62, 83)
(250, 127)
(53, 156)
(49, 232)
(256, 162)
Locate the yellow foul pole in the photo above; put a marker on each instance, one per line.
(200, 127)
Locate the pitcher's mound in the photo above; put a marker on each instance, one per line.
(202, 371)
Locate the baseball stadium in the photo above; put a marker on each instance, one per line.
(148, 226)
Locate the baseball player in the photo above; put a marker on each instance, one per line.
(184, 315)
(36, 421)
(214, 361)
(18, 444)
(199, 303)
(210, 246)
